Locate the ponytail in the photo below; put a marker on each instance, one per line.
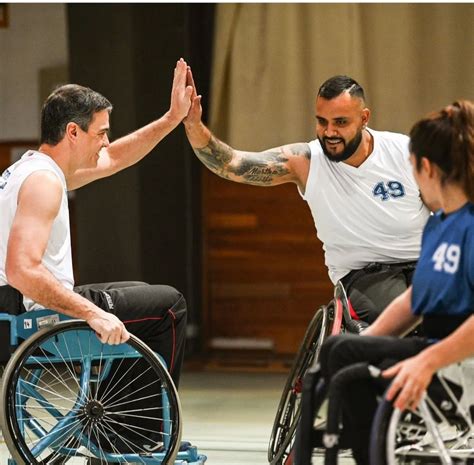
(446, 138)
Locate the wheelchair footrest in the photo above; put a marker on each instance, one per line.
(190, 456)
(200, 459)
(183, 458)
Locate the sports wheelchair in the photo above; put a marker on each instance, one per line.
(67, 398)
(334, 318)
(439, 431)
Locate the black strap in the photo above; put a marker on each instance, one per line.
(439, 326)
(11, 301)
(375, 267)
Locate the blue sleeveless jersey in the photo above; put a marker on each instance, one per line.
(443, 283)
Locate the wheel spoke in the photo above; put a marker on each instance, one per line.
(55, 412)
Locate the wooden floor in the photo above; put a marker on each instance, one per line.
(229, 415)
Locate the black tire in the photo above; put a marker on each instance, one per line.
(121, 412)
(289, 409)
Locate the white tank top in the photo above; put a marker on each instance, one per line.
(372, 213)
(57, 257)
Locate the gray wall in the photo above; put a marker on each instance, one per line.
(34, 43)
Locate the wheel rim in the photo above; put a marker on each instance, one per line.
(52, 411)
(408, 442)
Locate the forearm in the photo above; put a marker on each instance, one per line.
(267, 168)
(395, 320)
(213, 153)
(217, 157)
(38, 284)
(198, 134)
(413, 375)
(130, 149)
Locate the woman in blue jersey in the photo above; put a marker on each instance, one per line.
(442, 293)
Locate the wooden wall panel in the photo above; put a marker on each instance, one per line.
(13, 148)
(264, 272)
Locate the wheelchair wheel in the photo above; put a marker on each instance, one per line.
(312, 425)
(289, 409)
(404, 438)
(68, 398)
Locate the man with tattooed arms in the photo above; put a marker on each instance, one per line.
(357, 182)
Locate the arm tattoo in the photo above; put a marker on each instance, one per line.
(302, 150)
(216, 156)
(262, 169)
(257, 168)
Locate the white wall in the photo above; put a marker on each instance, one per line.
(36, 38)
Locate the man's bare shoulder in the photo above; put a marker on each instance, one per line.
(42, 189)
(42, 179)
(298, 157)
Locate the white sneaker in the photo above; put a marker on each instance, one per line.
(447, 432)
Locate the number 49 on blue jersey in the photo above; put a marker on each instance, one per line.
(446, 258)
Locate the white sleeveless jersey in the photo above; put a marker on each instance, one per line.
(372, 213)
(57, 257)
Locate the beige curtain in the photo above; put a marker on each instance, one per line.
(269, 60)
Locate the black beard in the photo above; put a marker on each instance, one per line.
(349, 148)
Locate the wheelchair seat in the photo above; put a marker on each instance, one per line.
(68, 398)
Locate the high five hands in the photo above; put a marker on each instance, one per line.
(181, 92)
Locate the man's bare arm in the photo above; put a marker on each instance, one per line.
(39, 201)
(131, 148)
(288, 163)
(270, 167)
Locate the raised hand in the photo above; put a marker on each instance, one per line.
(180, 92)
(195, 110)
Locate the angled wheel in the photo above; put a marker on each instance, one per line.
(289, 409)
(68, 398)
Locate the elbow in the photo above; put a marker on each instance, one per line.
(15, 275)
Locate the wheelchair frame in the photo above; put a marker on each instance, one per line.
(52, 340)
(440, 431)
(330, 319)
(435, 429)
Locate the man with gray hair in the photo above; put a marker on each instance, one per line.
(35, 245)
